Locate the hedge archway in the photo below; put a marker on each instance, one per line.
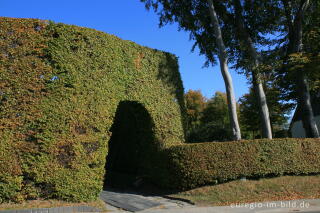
(60, 87)
(130, 145)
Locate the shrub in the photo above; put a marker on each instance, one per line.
(195, 165)
(60, 86)
(212, 131)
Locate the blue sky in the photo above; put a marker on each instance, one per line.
(129, 20)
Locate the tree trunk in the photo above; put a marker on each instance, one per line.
(263, 107)
(223, 59)
(257, 85)
(308, 121)
(295, 46)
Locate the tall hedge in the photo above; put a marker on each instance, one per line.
(60, 87)
(194, 165)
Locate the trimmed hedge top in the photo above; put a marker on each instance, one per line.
(60, 87)
(196, 165)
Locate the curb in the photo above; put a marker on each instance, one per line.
(67, 209)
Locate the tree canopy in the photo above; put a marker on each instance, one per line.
(263, 39)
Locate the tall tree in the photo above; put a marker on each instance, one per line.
(246, 39)
(297, 27)
(200, 19)
(248, 23)
(223, 58)
(295, 12)
(253, 22)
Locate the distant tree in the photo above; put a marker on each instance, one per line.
(214, 121)
(249, 116)
(217, 110)
(249, 113)
(195, 104)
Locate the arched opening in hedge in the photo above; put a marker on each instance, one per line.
(131, 143)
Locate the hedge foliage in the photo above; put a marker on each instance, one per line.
(60, 87)
(67, 92)
(196, 165)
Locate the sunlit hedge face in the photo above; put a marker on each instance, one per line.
(60, 87)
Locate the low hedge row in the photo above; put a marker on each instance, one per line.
(195, 165)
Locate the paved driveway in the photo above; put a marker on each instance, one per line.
(120, 202)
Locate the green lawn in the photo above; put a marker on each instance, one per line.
(269, 189)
